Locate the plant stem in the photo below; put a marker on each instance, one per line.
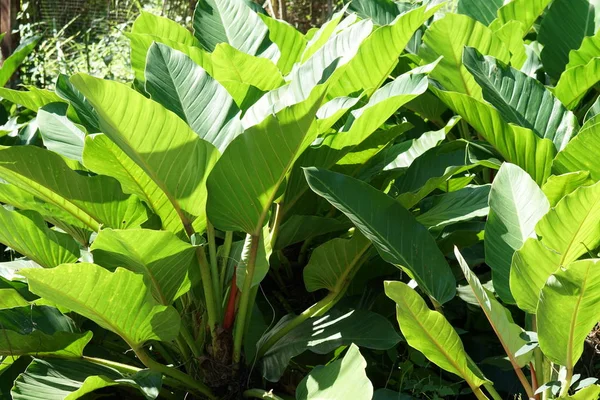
(189, 339)
(276, 224)
(173, 373)
(225, 257)
(316, 309)
(129, 369)
(214, 267)
(567, 383)
(479, 394)
(245, 300)
(211, 306)
(261, 394)
(492, 391)
(538, 358)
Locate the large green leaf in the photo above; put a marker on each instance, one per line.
(577, 155)
(27, 233)
(429, 332)
(289, 40)
(333, 264)
(378, 54)
(317, 37)
(83, 109)
(581, 73)
(182, 86)
(558, 186)
(521, 100)
(39, 330)
(562, 29)
(382, 12)
(240, 201)
(568, 310)
(511, 335)
(566, 232)
(462, 205)
(163, 259)
(246, 77)
(90, 201)
(323, 334)
(103, 156)
(150, 134)
(58, 132)
(359, 126)
(436, 166)
(118, 301)
(32, 99)
(517, 145)
(58, 379)
(516, 205)
(482, 11)
(397, 236)
(298, 228)
(141, 43)
(23, 200)
(151, 24)
(447, 37)
(524, 11)
(12, 63)
(229, 21)
(342, 379)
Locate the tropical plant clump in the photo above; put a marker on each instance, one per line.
(402, 203)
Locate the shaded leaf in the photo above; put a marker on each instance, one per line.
(397, 236)
(516, 205)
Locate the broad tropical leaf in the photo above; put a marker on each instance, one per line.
(27, 233)
(558, 186)
(182, 86)
(436, 166)
(576, 156)
(165, 261)
(517, 145)
(482, 11)
(359, 126)
(382, 12)
(90, 201)
(150, 134)
(565, 233)
(58, 132)
(429, 332)
(239, 201)
(378, 54)
(447, 37)
(521, 100)
(298, 228)
(524, 11)
(229, 21)
(509, 333)
(12, 63)
(397, 236)
(516, 205)
(568, 310)
(348, 376)
(333, 264)
(289, 40)
(325, 333)
(462, 205)
(39, 330)
(562, 29)
(150, 24)
(118, 301)
(83, 109)
(32, 99)
(73, 379)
